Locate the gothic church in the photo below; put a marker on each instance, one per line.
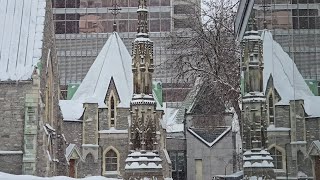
(281, 117)
(113, 123)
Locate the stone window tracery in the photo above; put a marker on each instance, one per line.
(111, 161)
(271, 109)
(112, 111)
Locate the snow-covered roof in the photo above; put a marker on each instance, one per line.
(170, 118)
(71, 110)
(209, 136)
(21, 34)
(287, 80)
(113, 62)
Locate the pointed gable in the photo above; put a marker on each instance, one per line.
(287, 79)
(113, 62)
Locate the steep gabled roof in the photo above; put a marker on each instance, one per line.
(287, 79)
(113, 62)
(209, 136)
(21, 37)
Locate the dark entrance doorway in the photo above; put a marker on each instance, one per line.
(72, 168)
(317, 167)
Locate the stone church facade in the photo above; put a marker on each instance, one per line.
(284, 112)
(30, 132)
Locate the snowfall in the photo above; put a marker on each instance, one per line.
(5, 176)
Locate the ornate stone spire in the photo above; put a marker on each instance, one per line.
(142, 62)
(142, 29)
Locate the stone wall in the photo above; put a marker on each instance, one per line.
(282, 118)
(73, 132)
(11, 163)
(117, 141)
(313, 129)
(49, 73)
(12, 113)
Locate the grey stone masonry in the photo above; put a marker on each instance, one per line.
(12, 99)
(73, 132)
(12, 115)
(90, 124)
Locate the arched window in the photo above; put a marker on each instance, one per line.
(277, 158)
(111, 161)
(271, 109)
(112, 112)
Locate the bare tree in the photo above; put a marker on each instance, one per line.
(209, 50)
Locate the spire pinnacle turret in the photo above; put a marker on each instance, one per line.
(142, 11)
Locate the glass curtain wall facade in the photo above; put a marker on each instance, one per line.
(83, 26)
(296, 26)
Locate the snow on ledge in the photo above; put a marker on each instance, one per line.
(267, 164)
(112, 130)
(28, 177)
(90, 145)
(11, 152)
(272, 128)
(212, 143)
(136, 165)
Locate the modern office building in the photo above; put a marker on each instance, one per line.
(295, 24)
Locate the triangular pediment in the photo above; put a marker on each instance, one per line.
(113, 64)
(314, 149)
(72, 152)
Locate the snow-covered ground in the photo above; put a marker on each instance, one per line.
(5, 176)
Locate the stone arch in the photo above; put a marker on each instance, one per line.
(104, 163)
(283, 154)
(87, 166)
(89, 158)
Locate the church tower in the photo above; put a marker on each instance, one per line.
(147, 151)
(257, 160)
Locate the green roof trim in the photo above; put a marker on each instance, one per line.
(157, 91)
(72, 88)
(313, 86)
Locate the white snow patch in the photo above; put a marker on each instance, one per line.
(136, 165)
(262, 164)
(138, 159)
(90, 145)
(170, 118)
(11, 152)
(71, 110)
(272, 128)
(112, 130)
